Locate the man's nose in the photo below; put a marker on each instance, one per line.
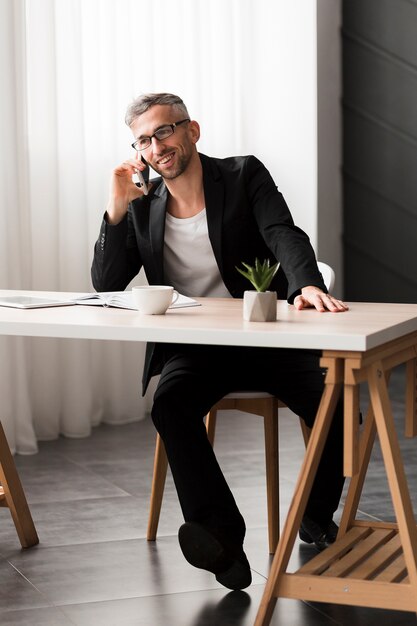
(155, 141)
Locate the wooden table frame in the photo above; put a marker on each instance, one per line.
(13, 496)
(370, 564)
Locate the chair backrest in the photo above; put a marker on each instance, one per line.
(328, 275)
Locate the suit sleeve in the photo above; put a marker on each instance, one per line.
(290, 245)
(116, 256)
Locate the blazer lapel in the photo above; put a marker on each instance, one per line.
(214, 197)
(156, 230)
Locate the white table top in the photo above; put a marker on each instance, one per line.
(218, 321)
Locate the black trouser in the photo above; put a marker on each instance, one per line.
(193, 379)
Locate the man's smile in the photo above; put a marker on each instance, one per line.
(166, 158)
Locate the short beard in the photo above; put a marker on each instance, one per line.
(183, 162)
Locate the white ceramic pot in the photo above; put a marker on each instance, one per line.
(260, 306)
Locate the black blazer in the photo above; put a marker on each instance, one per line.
(247, 218)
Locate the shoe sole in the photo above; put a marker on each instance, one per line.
(237, 577)
(324, 541)
(201, 549)
(305, 537)
(320, 544)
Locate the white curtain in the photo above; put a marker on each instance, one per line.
(68, 70)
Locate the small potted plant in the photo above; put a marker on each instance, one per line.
(259, 305)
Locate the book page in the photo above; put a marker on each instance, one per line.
(124, 300)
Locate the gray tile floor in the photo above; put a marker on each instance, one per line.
(93, 566)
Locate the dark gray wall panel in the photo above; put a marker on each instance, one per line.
(380, 149)
(381, 284)
(387, 24)
(383, 235)
(382, 159)
(374, 85)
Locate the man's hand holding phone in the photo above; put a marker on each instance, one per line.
(142, 182)
(123, 189)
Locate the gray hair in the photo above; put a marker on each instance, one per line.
(146, 101)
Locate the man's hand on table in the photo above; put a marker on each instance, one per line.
(313, 297)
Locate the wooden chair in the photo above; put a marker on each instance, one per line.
(255, 403)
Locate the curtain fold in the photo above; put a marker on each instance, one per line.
(70, 68)
(50, 217)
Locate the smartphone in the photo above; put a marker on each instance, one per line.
(143, 177)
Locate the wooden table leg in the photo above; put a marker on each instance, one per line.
(397, 480)
(312, 457)
(13, 496)
(366, 444)
(351, 430)
(356, 484)
(372, 563)
(411, 400)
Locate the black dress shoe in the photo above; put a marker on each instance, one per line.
(203, 549)
(312, 532)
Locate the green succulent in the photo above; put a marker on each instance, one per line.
(260, 275)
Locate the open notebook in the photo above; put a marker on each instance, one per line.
(119, 299)
(124, 300)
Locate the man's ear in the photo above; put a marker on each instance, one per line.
(194, 128)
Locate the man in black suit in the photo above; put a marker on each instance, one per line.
(201, 218)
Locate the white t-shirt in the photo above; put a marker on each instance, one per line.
(189, 263)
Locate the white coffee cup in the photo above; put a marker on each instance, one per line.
(153, 299)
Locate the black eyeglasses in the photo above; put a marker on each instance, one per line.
(161, 134)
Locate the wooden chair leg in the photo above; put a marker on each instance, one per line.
(13, 496)
(160, 468)
(305, 430)
(211, 419)
(272, 472)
